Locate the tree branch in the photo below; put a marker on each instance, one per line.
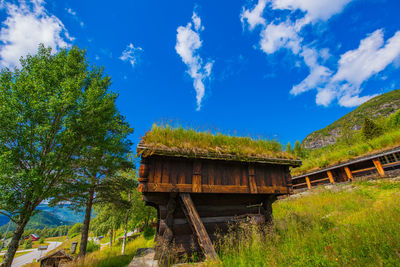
(8, 216)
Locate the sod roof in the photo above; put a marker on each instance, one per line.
(189, 143)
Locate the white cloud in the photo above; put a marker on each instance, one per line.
(187, 45)
(25, 27)
(274, 37)
(354, 68)
(131, 54)
(254, 17)
(71, 11)
(315, 9)
(318, 73)
(371, 57)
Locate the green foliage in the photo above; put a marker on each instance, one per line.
(28, 244)
(370, 129)
(92, 246)
(189, 141)
(289, 148)
(353, 225)
(75, 230)
(298, 150)
(394, 120)
(41, 240)
(148, 232)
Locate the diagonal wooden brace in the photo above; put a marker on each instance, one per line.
(198, 226)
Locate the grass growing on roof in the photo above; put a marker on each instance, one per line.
(190, 141)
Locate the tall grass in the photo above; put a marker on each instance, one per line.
(190, 141)
(111, 257)
(343, 226)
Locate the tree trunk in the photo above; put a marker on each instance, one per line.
(86, 223)
(111, 236)
(13, 246)
(125, 233)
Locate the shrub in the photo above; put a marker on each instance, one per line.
(92, 246)
(370, 129)
(41, 240)
(148, 232)
(28, 244)
(75, 230)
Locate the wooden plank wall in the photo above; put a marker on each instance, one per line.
(207, 176)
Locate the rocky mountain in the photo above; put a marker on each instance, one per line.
(377, 107)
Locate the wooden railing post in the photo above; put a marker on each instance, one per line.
(330, 176)
(379, 167)
(308, 182)
(348, 173)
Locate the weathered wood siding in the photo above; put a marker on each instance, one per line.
(168, 174)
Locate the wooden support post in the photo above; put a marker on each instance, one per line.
(330, 176)
(308, 182)
(196, 178)
(379, 167)
(198, 226)
(252, 180)
(166, 240)
(349, 175)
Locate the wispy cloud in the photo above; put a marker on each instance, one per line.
(188, 43)
(354, 67)
(26, 25)
(131, 54)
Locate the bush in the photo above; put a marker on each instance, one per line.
(28, 244)
(92, 246)
(370, 129)
(41, 240)
(148, 232)
(75, 230)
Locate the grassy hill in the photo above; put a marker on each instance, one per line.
(342, 225)
(377, 107)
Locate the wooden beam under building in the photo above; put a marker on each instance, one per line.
(198, 227)
(348, 173)
(308, 182)
(379, 167)
(330, 176)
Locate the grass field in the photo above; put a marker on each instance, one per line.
(344, 225)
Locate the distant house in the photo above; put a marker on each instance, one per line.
(33, 237)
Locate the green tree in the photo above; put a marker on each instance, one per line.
(52, 114)
(298, 150)
(105, 152)
(40, 131)
(289, 148)
(370, 129)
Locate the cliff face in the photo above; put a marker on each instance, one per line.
(377, 107)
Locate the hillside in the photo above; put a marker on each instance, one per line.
(336, 225)
(41, 220)
(377, 107)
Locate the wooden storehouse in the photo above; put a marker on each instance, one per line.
(379, 164)
(200, 183)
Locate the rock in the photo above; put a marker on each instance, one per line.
(144, 257)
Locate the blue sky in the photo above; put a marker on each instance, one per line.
(270, 68)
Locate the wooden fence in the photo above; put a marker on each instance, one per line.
(378, 164)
